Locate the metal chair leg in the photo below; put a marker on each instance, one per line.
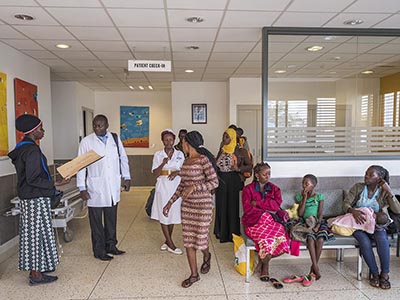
(248, 273)
(359, 266)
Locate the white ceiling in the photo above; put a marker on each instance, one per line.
(104, 34)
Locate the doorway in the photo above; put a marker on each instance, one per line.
(250, 119)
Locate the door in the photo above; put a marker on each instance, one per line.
(87, 121)
(249, 118)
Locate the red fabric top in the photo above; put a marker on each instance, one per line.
(271, 201)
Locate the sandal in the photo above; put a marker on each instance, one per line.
(374, 281)
(293, 278)
(205, 267)
(307, 280)
(275, 283)
(264, 278)
(189, 281)
(384, 283)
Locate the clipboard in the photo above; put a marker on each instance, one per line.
(72, 167)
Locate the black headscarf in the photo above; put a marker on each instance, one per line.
(195, 139)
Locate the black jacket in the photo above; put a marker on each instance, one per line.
(30, 164)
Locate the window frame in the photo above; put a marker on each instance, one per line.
(266, 32)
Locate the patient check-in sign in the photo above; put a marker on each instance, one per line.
(149, 65)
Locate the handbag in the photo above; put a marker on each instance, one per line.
(56, 199)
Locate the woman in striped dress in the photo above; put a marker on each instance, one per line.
(198, 181)
(37, 248)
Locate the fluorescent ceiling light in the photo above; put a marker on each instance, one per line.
(189, 71)
(280, 71)
(63, 46)
(353, 22)
(367, 72)
(314, 48)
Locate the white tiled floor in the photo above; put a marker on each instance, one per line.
(145, 272)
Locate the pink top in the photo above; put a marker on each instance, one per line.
(271, 201)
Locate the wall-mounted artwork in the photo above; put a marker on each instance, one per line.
(26, 101)
(3, 115)
(135, 126)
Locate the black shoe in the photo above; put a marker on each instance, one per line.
(45, 279)
(116, 251)
(104, 257)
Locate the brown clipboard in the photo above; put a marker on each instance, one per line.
(72, 167)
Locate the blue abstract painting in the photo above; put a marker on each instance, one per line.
(135, 126)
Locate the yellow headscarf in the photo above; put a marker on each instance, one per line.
(230, 148)
(242, 140)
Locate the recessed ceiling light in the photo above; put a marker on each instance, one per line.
(280, 71)
(329, 38)
(195, 19)
(367, 72)
(337, 58)
(131, 87)
(332, 72)
(314, 48)
(291, 66)
(101, 76)
(63, 46)
(140, 87)
(150, 87)
(189, 71)
(90, 70)
(192, 47)
(24, 17)
(353, 22)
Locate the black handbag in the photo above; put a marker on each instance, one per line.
(56, 199)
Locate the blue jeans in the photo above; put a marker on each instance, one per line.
(382, 245)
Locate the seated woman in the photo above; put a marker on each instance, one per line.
(261, 201)
(374, 192)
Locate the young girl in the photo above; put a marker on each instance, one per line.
(310, 210)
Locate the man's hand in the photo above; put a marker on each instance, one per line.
(85, 195)
(127, 185)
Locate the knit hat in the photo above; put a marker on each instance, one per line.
(27, 123)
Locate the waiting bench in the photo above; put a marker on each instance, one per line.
(332, 207)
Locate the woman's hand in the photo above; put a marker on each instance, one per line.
(187, 191)
(173, 175)
(253, 203)
(358, 215)
(235, 166)
(316, 227)
(165, 160)
(307, 191)
(166, 208)
(385, 186)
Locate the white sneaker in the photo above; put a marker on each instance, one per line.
(177, 251)
(164, 247)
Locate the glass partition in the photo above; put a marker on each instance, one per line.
(330, 93)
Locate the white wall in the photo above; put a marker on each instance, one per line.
(108, 103)
(214, 94)
(246, 91)
(68, 98)
(17, 65)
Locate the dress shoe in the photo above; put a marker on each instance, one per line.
(104, 257)
(45, 279)
(115, 251)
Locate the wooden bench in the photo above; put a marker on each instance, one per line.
(332, 207)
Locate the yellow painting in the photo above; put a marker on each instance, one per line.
(3, 115)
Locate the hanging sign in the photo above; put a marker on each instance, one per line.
(149, 65)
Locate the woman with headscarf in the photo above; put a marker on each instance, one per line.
(166, 166)
(35, 188)
(232, 163)
(198, 180)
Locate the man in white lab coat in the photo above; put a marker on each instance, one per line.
(100, 185)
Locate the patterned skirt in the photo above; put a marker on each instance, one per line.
(37, 246)
(269, 236)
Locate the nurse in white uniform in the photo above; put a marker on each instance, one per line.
(166, 166)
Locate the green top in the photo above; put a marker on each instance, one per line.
(312, 204)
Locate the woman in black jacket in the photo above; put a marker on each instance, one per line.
(37, 247)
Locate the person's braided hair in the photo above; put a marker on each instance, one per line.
(257, 168)
(195, 139)
(382, 172)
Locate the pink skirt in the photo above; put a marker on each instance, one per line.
(269, 237)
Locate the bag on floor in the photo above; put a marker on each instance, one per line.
(149, 203)
(240, 255)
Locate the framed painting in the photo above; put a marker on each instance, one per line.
(134, 126)
(26, 101)
(199, 113)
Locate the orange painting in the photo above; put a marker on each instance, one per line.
(26, 101)
(3, 115)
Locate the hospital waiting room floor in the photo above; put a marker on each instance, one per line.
(145, 272)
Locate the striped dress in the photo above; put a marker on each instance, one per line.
(196, 211)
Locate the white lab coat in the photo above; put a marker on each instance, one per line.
(104, 176)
